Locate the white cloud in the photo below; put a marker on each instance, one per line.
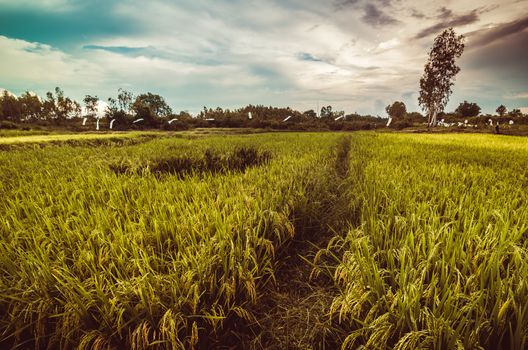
(521, 95)
(29, 64)
(235, 52)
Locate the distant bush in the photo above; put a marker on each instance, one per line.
(359, 125)
(401, 124)
(176, 126)
(4, 124)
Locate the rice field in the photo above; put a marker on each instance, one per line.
(437, 256)
(172, 243)
(91, 258)
(39, 138)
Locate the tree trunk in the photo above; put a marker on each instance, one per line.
(432, 118)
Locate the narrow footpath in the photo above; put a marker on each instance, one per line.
(293, 312)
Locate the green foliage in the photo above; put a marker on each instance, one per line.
(501, 110)
(90, 102)
(30, 104)
(467, 109)
(439, 73)
(151, 107)
(396, 110)
(10, 109)
(437, 257)
(92, 259)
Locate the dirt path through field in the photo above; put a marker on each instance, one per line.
(293, 313)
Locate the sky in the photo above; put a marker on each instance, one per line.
(356, 55)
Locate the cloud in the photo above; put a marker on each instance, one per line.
(389, 44)
(125, 50)
(455, 21)
(522, 95)
(279, 52)
(35, 64)
(308, 57)
(444, 13)
(417, 14)
(374, 16)
(499, 32)
(346, 3)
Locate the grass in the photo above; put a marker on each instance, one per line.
(182, 242)
(210, 162)
(92, 259)
(437, 258)
(40, 138)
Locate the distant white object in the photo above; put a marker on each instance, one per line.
(511, 122)
(389, 122)
(100, 110)
(97, 124)
(170, 121)
(210, 119)
(250, 116)
(137, 120)
(341, 117)
(112, 123)
(84, 121)
(465, 121)
(287, 118)
(490, 122)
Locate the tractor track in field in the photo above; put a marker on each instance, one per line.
(293, 312)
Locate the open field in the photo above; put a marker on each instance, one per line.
(92, 258)
(41, 138)
(391, 240)
(437, 255)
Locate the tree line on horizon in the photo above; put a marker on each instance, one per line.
(151, 110)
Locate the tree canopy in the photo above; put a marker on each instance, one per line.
(396, 110)
(467, 109)
(439, 73)
(151, 107)
(501, 110)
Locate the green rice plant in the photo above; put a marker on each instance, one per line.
(211, 162)
(437, 254)
(93, 259)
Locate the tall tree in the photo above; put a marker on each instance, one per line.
(31, 105)
(125, 100)
(326, 112)
(90, 103)
(151, 107)
(439, 73)
(467, 109)
(10, 106)
(396, 110)
(64, 106)
(48, 106)
(501, 110)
